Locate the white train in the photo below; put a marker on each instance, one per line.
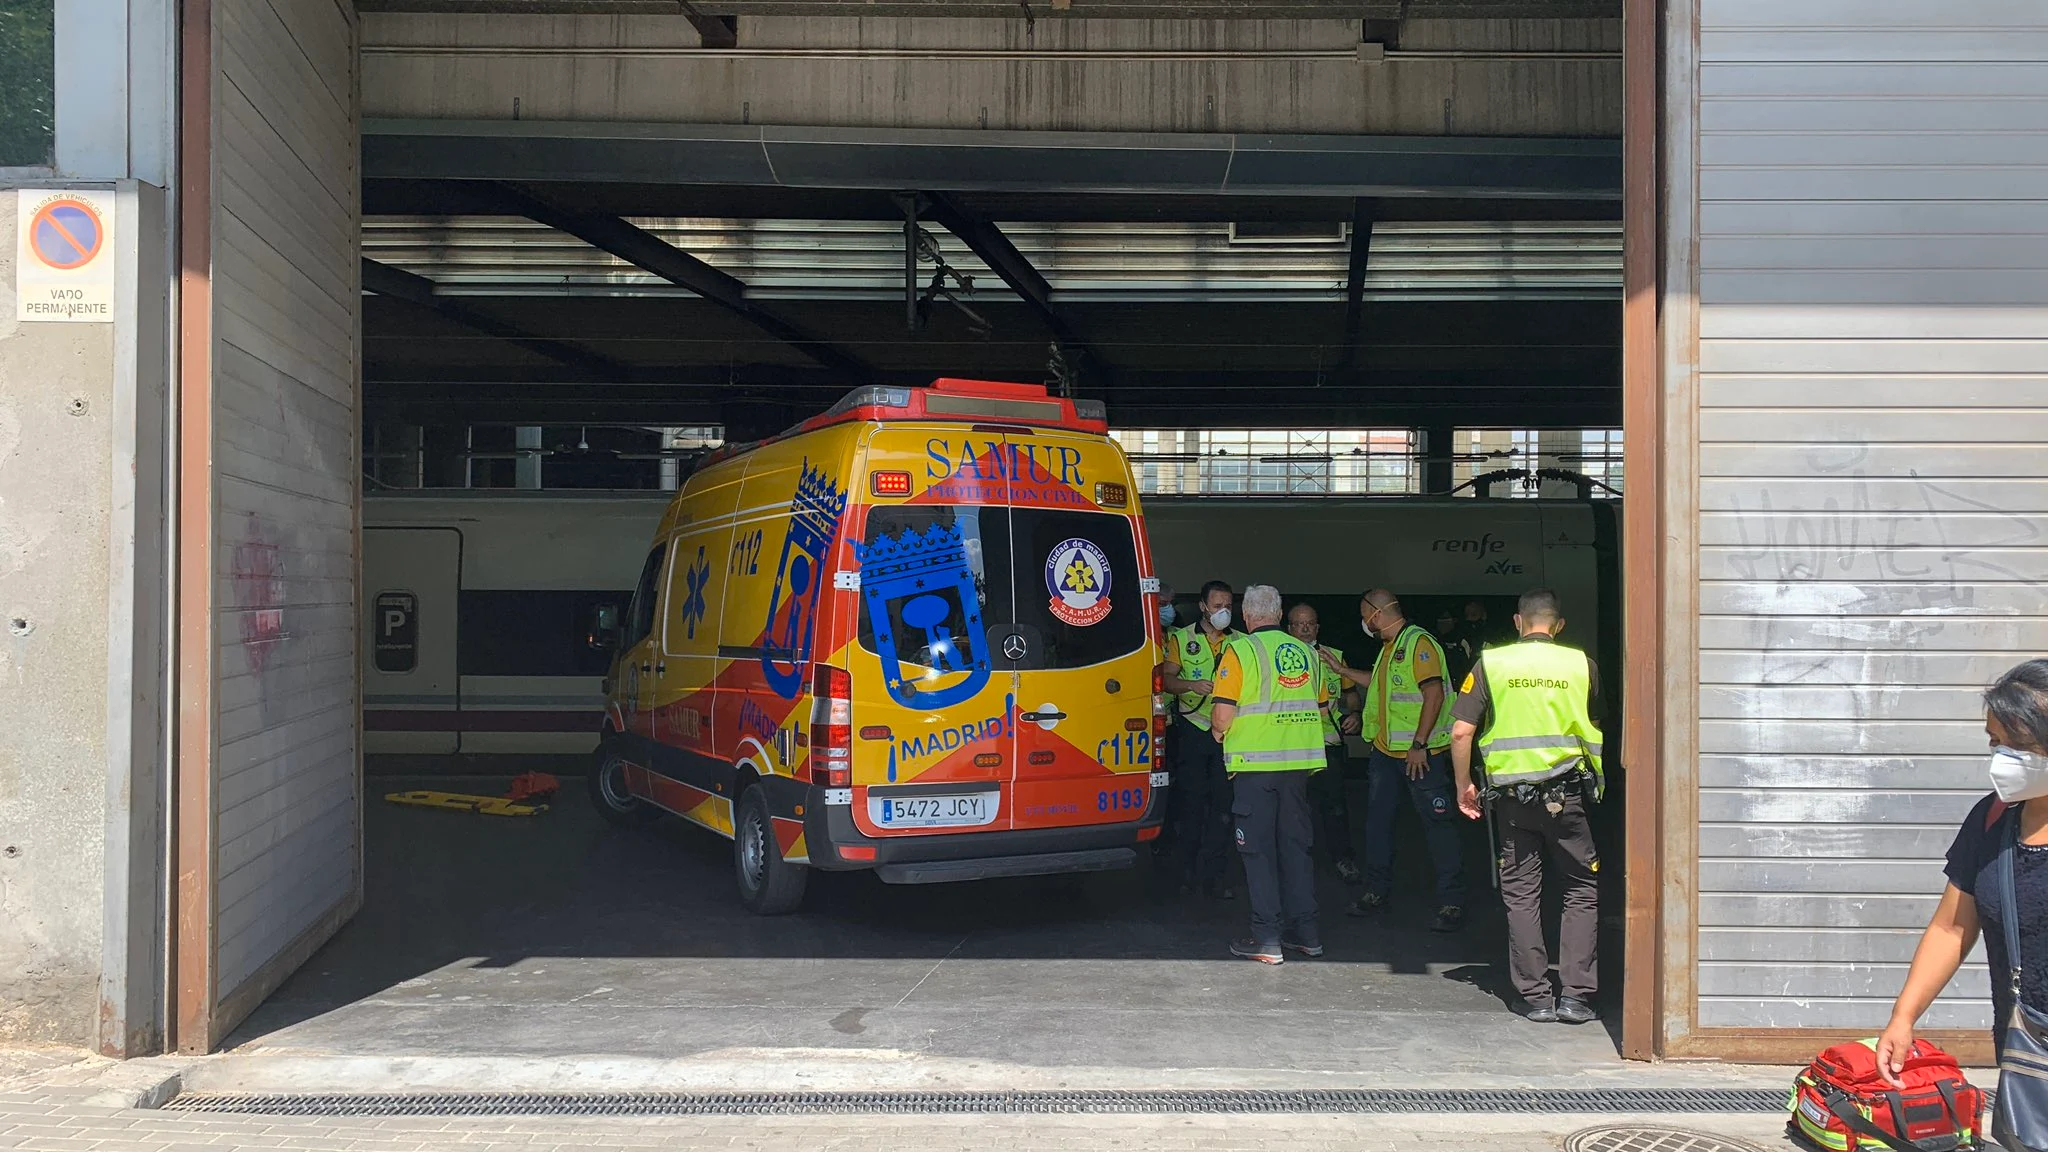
(478, 606)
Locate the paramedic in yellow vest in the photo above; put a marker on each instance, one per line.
(1200, 791)
(1407, 717)
(1269, 711)
(1326, 789)
(1531, 706)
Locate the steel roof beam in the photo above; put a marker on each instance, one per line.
(1354, 280)
(714, 31)
(987, 241)
(651, 253)
(397, 283)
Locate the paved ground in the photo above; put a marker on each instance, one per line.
(513, 943)
(87, 1106)
(560, 954)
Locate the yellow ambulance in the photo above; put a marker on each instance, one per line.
(917, 633)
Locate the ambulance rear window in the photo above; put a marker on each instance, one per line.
(1077, 586)
(1066, 581)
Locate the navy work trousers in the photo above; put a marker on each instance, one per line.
(1435, 800)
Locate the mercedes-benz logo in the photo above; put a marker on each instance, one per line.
(1014, 646)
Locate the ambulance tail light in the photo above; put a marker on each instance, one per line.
(831, 727)
(1159, 714)
(889, 483)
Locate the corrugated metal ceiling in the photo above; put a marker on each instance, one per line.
(839, 259)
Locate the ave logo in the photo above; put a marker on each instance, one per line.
(1503, 568)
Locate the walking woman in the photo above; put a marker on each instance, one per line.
(2016, 719)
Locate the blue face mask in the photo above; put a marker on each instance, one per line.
(1166, 614)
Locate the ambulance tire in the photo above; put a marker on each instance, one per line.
(609, 796)
(769, 885)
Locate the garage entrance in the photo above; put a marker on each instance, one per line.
(1359, 346)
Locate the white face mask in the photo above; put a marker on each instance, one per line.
(2018, 775)
(1219, 619)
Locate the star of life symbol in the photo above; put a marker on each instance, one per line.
(697, 578)
(1077, 574)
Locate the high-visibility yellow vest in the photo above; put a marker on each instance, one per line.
(1278, 726)
(1197, 661)
(1333, 686)
(1540, 727)
(1393, 705)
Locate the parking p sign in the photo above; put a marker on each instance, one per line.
(64, 257)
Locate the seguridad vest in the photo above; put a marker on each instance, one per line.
(1540, 727)
(1394, 701)
(1197, 662)
(1278, 724)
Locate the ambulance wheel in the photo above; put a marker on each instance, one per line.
(769, 885)
(609, 795)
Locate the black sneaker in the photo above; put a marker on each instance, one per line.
(1308, 948)
(1367, 905)
(1347, 871)
(1249, 949)
(1546, 1014)
(1571, 1010)
(1448, 919)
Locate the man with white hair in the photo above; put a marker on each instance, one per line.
(1269, 709)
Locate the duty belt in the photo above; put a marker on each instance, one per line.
(1548, 792)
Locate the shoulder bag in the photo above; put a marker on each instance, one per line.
(2019, 1121)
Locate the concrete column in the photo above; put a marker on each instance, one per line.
(1438, 443)
(526, 473)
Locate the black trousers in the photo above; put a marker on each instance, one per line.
(1529, 832)
(1333, 807)
(1276, 835)
(1201, 797)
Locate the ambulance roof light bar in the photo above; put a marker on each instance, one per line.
(948, 398)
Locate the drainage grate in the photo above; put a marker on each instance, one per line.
(1474, 1100)
(1625, 1138)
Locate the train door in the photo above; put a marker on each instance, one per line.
(412, 700)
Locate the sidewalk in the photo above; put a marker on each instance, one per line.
(88, 1105)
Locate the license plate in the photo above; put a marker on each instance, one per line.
(961, 810)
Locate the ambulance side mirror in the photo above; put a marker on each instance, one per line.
(604, 628)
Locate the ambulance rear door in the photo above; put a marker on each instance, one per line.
(933, 708)
(1079, 647)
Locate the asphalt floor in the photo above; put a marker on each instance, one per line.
(526, 941)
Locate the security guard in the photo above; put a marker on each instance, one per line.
(1270, 705)
(1408, 718)
(1201, 790)
(1541, 749)
(1326, 788)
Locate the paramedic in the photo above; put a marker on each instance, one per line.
(1326, 789)
(1201, 791)
(1407, 716)
(1269, 710)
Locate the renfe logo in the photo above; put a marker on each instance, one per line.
(1484, 546)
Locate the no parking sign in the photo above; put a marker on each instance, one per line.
(64, 257)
